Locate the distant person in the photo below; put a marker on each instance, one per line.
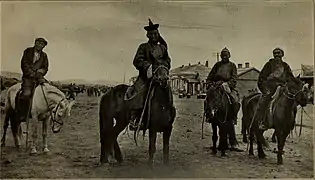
(34, 65)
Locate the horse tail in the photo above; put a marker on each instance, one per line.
(106, 121)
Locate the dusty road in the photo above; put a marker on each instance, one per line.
(74, 152)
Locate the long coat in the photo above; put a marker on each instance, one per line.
(30, 69)
(144, 58)
(224, 71)
(274, 73)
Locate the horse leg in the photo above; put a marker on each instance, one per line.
(281, 137)
(273, 139)
(223, 144)
(34, 135)
(214, 138)
(152, 148)
(118, 154)
(118, 128)
(166, 147)
(44, 134)
(5, 128)
(244, 131)
(251, 142)
(15, 126)
(259, 137)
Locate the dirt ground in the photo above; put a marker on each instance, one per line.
(74, 152)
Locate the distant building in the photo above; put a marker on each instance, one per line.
(247, 78)
(307, 74)
(189, 79)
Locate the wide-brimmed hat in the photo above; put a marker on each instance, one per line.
(151, 26)
(42, 40)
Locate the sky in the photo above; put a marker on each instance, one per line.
(98, 40)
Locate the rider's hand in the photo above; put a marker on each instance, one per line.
(42, 71)
(157, 52)
(41, 81)
(149, 72)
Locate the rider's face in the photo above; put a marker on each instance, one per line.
(153, 36)
(39, 45)
(225, 56)
(277, 54)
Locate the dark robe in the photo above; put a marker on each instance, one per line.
(29, 68)
(224, 71)
(274, 73)
(143, 59)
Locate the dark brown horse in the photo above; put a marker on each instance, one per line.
(217, 109)
(283, 114)
(245, 124)
(159, 117)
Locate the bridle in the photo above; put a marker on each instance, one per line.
(53, 111)
(290, 95)
(154, 72)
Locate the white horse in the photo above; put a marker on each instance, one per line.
(49, 103)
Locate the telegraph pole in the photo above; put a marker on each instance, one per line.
(218, 57)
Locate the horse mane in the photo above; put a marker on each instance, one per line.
(54, 90)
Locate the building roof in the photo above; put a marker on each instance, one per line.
(241, 71)
(191, 71)
(307, 70)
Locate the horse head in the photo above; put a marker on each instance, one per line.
(60, 109)
(214, 99)
(298, 90)
(161, 75)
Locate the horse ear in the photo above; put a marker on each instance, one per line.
(298, 76)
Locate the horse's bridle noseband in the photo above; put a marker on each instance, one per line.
(55, 110)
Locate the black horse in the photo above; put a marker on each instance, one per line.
(159, 117)
(217, 108)
(283, 115)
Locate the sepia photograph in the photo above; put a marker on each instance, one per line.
(157, 89)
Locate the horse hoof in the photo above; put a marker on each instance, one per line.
(263, 156)
(33, 152)
(46, 150)
(223, 155)
(280, 162)
(214, 152)
(166, 162)
(2, 144)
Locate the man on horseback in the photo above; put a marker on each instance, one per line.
(275, 73)
(224, 73)
(34, 65)
(149, 55)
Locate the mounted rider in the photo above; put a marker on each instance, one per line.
(225, 72)
(275, 73)
(149, 55)
(34, 65)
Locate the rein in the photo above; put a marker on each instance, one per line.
(53, 113)
(290, 95)
(147, 103)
